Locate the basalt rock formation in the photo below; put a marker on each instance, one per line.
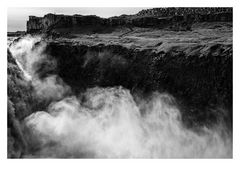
(200, 77)
(157, 17)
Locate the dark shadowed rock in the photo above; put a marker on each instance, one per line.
(201, 80)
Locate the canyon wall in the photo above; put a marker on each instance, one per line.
(159, 17)
(54, 82)
(201, 79)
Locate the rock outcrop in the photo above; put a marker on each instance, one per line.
(166, 12)
(159, 18)
(18, 108)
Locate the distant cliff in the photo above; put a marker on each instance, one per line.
(166, 12)
(156, 17)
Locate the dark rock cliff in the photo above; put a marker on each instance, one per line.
(199, 77)
(159, 18)
(18, 105)
(21, 103)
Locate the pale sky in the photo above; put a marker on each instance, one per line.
(17, 17)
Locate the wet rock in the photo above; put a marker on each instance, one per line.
(201, 80)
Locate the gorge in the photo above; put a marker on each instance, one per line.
(138, 86)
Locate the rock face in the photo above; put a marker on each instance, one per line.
(36, 24)
(158, 17)
(18, 108)
(200, 77)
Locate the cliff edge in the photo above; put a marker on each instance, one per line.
(172, 18)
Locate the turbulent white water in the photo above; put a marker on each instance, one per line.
(108, 123)
(23, 54)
